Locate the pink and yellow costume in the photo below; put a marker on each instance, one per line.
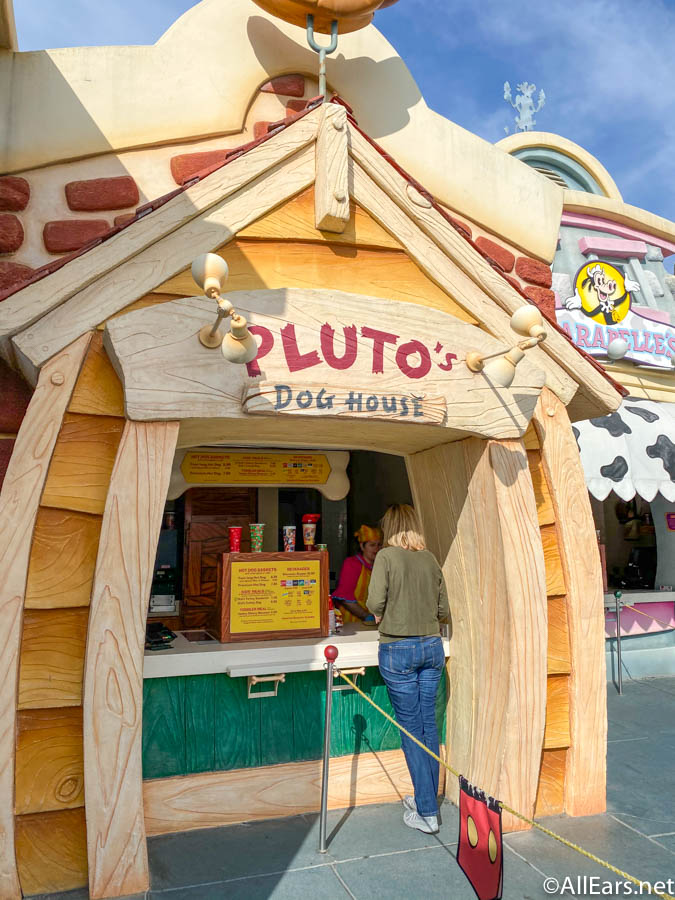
(354, 578)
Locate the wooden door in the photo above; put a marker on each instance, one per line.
(209, 512)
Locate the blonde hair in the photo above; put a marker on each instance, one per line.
(402, 528)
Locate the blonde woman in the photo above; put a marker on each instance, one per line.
(408, 598)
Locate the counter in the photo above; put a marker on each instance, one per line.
(357, 646)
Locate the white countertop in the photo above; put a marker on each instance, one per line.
(357, 646)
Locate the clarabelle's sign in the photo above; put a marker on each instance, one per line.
(322, 355)
(602, 310)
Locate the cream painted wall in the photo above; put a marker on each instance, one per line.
(148, 166)
(199, 79)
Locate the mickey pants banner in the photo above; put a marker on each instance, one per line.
(480, 852)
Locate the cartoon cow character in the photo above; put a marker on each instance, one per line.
(602, 292)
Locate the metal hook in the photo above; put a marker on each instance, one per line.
(322, 51)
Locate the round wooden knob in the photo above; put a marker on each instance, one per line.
(350, 14)
(331, 653)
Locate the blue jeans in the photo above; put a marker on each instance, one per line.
(412, 670)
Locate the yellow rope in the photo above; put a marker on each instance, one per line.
(504, 806)
(647, 616)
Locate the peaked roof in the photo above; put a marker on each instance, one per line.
(438, 230)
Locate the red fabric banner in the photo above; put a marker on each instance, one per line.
(480, 852)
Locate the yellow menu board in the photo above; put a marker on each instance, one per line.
(275, 595)
(211, 467)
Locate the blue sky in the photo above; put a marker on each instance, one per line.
(607, 67)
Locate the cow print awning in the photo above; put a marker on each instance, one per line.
(630, 451)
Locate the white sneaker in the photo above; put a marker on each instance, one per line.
(409, 802)
(427, 824)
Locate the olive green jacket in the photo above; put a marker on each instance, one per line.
(407, 590)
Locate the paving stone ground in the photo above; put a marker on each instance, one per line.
(372, 855)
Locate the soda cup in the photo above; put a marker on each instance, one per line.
(257, 536)
(234, 532)
(289, 538)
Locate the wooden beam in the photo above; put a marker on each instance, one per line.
(597, 393)
(247, 795)
(19, 502)
(585, 781)
(142, 272)
(113, 698)
(479, 515)
(526, 598)
(331, 189)
(443, 270)
(33, 302)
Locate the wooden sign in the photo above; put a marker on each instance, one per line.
(214, 467)
(265, 596)
(383, 350)
(321, 400)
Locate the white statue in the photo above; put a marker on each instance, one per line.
(524, 104)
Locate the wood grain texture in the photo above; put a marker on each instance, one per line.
(168, 374)
(256, 265)
(555, 577)
(294, 221)
(542, 495)
(142, 272)
(558, 662)
(152, 299)
(98, 390)
(557, 733)
(82, 462)
(331, 188)
(52, 657)
(478, 507)
(49, 760)
(19, 502)
(114, 665)
(245, 795)
(594, 391)
(51, 851)
(196, 202)
(62, 559)
(551, 790)
(526, 579)
(585, 781)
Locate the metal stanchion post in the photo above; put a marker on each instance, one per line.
(331, 655)
(617, 596)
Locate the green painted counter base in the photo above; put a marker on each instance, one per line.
(206, 723)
